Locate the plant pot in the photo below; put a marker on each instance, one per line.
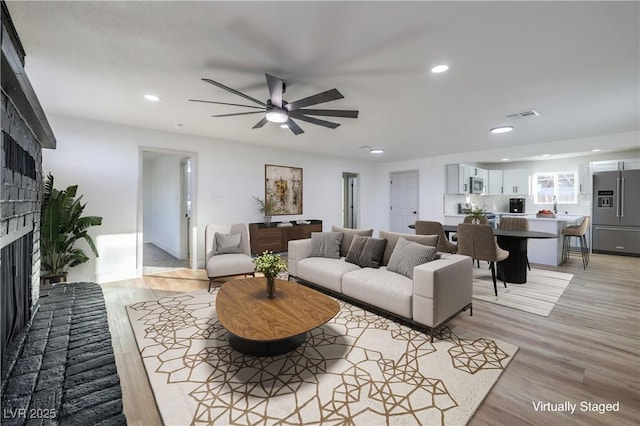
(53, 279)
(271, 287)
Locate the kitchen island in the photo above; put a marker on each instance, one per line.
(549, 251)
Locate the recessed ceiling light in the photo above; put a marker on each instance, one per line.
(284, 126)
(596, 150)
(376, 151)
(546, 155)
(439, 69)
(502, 129)
(505, 159)
(152, 98)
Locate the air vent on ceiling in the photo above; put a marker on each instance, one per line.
(524, 114)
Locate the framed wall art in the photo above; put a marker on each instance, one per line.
(283, 189)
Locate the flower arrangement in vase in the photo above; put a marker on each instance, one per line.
(270, 265)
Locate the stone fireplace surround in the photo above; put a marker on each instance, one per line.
(20, 200)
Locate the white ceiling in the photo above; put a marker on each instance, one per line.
(576, 63)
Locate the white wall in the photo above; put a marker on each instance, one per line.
(104, 159)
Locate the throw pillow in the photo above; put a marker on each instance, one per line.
(366, 252)
(371, 256)
(392, 238)
(227, 243)
(326, 244)
(408, 254)
(348, 237)
(355, 250)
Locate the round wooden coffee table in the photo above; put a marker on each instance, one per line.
(261, 326)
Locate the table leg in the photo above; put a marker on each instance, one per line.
(515, 266)
(259, 348)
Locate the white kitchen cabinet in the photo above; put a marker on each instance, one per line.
(584, 178)
(495, 182)
(458, 178)
(515, 182)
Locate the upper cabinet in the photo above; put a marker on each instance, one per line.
(515, 182)
(459, 179)
(458, 176)
(495, 182)
(584, 178)
(508, 182)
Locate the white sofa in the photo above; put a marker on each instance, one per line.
(439, 290)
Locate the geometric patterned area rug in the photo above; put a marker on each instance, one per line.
(359, 368)
(537, 296)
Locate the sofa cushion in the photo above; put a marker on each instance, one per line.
(326, 244)
(408, 254)
(392, 239)
(366, 251)
(381, 288)
(348, 237)
(227, 243)
(324, 271)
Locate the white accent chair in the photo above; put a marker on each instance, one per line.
(228, 264)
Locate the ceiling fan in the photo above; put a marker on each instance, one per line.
(277, 110)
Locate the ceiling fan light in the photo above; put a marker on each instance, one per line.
(277, 116)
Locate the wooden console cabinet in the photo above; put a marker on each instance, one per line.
(275, 238)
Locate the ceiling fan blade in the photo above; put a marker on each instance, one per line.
(226, 103)
(235, 92)
(293, 126)
(260, 123)
(317, 121)
(238, 113)
(276, 89)
(329, 112)
(329, 95)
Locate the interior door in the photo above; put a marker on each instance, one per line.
(404, 200)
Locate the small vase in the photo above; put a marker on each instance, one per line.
(271, 287)
(267, 221)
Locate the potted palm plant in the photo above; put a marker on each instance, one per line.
(61, 226)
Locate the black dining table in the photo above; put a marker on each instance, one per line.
(515, 242)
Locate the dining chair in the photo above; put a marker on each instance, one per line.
(483, 220)
(479, 242)
(427, 227)
(515, 224)
(578, 231)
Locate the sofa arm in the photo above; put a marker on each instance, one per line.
(442, 288)
(298, 250)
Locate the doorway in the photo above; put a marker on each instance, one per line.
(350, 200)
(403, 209)
(167, 211)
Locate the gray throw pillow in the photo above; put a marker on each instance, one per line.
(227, 243)
(408, 254)
(348, 237)
(355, 250)
(326, 244)
(373, 251)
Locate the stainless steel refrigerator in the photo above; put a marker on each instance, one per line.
(616, 212)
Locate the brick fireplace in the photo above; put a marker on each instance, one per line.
(25, 132)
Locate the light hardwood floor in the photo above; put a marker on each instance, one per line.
(588, 349)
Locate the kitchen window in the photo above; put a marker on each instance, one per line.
(562, 185)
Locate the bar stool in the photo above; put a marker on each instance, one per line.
(578, 231)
